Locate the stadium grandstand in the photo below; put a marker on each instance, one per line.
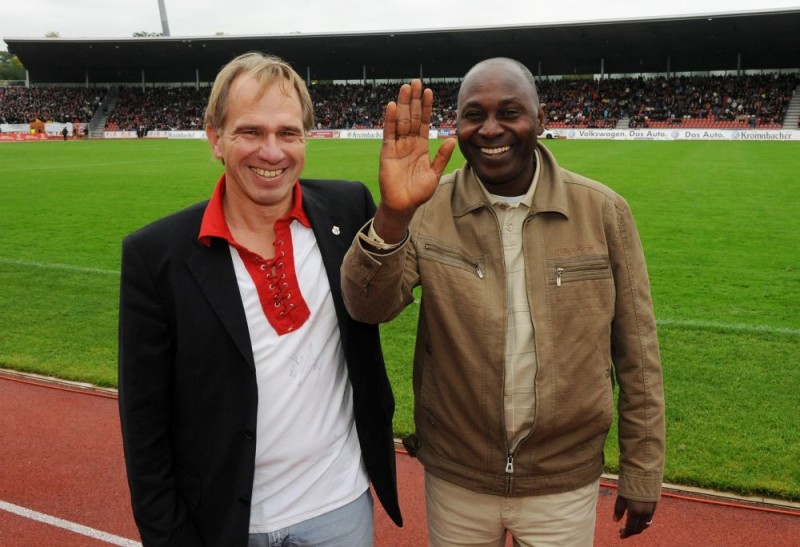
(737, 72)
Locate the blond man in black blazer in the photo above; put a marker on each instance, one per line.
(251, 403)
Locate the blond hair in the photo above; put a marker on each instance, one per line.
(267, 70)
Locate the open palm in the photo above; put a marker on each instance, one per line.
(407, 175)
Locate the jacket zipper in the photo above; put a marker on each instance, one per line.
(474, 264)
(512, 450)
(560, 271)
(510, 472)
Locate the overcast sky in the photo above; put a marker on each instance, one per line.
(121, 18)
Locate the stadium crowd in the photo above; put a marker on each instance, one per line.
(158, 108)
(755, 101)
(19, 105)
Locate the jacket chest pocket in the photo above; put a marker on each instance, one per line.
(449, 256)
(453, 280)
(581, 286)
(570, 270)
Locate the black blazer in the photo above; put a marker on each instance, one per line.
(187, 385)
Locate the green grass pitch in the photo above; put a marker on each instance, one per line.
(719, 223)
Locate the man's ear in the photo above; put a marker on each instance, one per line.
(213, 140)
(541, 117)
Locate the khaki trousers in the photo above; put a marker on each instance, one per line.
(458, 516)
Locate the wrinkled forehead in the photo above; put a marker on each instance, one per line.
(256, 85)
(496, 81)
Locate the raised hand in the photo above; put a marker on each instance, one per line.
(407, 175)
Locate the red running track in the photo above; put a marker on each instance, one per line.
(62, 483)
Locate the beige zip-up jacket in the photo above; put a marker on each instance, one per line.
(593, 320)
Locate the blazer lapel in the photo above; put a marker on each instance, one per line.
(334, 234)
(330, 232)
(213, 270)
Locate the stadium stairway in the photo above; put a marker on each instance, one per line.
(792, 118)
(622, 122)
(98, 124)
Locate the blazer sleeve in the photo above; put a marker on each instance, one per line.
(146, 352)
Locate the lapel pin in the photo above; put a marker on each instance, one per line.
(336, 231)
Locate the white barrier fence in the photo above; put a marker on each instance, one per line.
(51, 129)
(678, 134)
(681, 134)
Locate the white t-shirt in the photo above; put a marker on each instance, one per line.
(308, 459)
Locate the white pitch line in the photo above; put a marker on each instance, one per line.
(728, 327)
(67, 525)
(685, 323)
(56, 266)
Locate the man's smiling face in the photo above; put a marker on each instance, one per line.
(498, 123)
(262, 144)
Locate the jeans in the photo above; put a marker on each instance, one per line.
(349, 526)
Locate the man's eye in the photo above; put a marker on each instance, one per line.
(473, 115)
(510, 112)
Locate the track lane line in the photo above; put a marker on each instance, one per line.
(67, 525)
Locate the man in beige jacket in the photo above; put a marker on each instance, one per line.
(535, 300)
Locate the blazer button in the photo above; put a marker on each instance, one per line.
(249, 435)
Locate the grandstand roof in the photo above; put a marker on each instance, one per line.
(680, 44)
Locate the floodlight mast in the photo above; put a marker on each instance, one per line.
(164, 23)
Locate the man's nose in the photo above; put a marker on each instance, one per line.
(270, 149)
(490, 127)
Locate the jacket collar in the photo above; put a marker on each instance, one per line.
(550, 194)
